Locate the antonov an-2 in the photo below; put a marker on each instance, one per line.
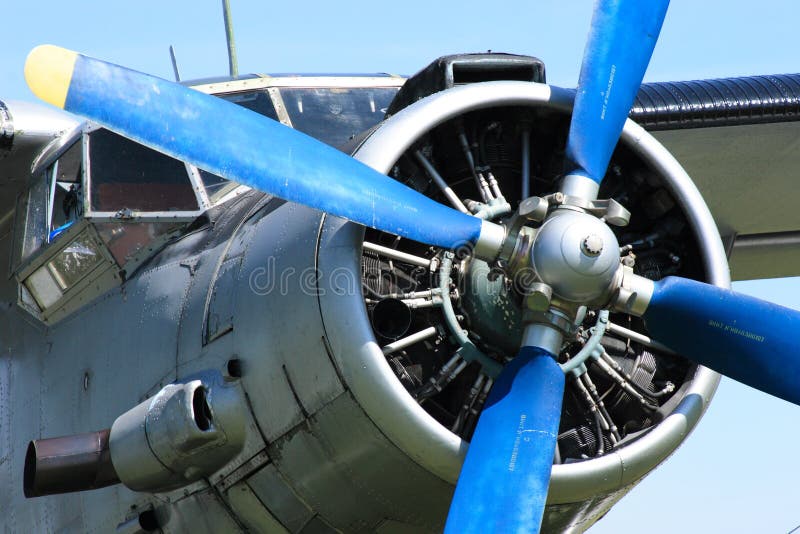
(192, 344)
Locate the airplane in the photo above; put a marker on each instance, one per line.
(88, 379)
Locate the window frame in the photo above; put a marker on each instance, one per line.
(128, 215)
(106, 272)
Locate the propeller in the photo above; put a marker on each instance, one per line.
(504, 480)
(491, 494)
(243, 146)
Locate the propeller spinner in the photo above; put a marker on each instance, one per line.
(503, 484)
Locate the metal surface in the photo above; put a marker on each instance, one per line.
(543, 335)
(561, 262)
(490, 241)
(736, 168)
(579, 186)
(174, 64)
(634, 292)
(396, 254)
(309, 81)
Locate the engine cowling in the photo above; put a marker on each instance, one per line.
(416, 376)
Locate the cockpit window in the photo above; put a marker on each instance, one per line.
(128, 176)
(51, 205)
(336, 115)
(257, 101)
(33, 221)
(65, 205)
(216, 186)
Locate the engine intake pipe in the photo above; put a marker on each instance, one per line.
(391, 318)
(68, 463)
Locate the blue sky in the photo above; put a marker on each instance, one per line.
(734, 474)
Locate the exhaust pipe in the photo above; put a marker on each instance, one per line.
(183, 433)
(69, 463)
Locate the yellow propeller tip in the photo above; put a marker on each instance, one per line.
(48, 71)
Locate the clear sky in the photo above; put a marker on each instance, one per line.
(736, 472)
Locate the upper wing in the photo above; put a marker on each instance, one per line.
(739, 140)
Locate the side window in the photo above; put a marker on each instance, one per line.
(125, 175)
(32, 209)
(216, 186)
(65, 204)
(51, 205)
(259, 101)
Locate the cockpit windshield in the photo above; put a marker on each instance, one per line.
(336, 115)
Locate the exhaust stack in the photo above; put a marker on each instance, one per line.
(183, 433)
(69, 463)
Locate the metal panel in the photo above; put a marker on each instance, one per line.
(748, 176)
(275, 493)
(199, 513)
(251, 453)
(317, 525)
(50, 388)
(342, 465)
(277, 327)
(219, 320)
(395, 527)
(766, 256)
(244, 470)
(299, 81)
(251, 512)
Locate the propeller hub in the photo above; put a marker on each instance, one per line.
(592, 245)
(577, 255)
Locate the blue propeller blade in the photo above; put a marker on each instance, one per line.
(742, 337)
(503, 483)
(241, 145)
(621, 40)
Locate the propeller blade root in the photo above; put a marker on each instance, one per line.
(739, 336)
(506, 474)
